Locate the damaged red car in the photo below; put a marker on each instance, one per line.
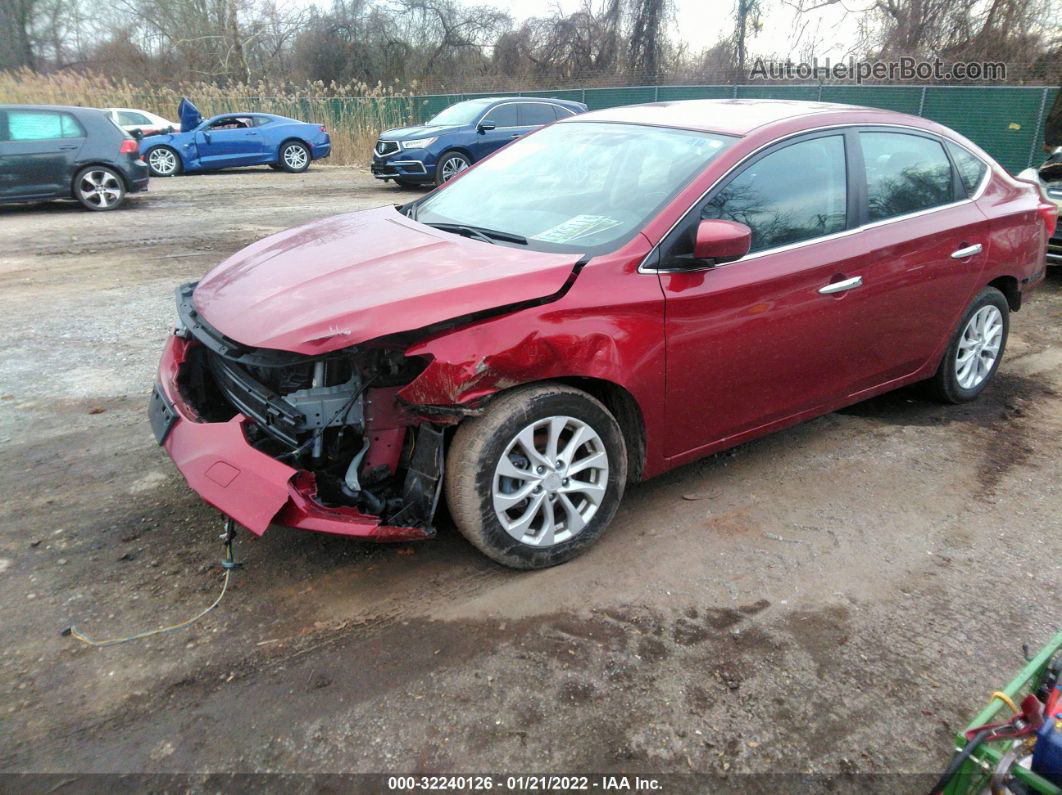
(612, 296)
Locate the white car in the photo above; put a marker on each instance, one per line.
(132, 120)
(1049, 178)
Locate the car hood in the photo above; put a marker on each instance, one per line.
(189, 115)
(355, 277)
(412, 133)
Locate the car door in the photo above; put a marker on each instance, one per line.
(532, 115)
(38, 153)
(926, 244)
(230, 141)
(761, 340)
(504, 123)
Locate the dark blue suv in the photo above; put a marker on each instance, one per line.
(461, 135)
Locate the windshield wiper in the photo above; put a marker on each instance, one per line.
(480, 233)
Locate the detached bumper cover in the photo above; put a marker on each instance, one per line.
(242, 482)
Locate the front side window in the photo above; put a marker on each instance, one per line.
(41, 125)
(503, 116)
(905, 174)
(576, 187)
(971, 169)
(793, 194)
(535, 114)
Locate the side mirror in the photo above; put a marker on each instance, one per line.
(486, 125)
(715, 243)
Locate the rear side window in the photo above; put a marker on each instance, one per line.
(535, 114)
(793, 194)
(503, 116)
(42, 125)
(905, 174)
(971, 169)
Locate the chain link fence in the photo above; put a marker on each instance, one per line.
(1006, 121)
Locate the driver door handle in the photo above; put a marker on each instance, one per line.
(968, 251)
(840, 287)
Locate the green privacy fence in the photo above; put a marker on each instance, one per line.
(1006, 121)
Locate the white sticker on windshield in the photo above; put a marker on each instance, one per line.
(579, 226)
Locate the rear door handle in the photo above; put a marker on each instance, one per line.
(840, 287)
(69, 146)
(969, 251)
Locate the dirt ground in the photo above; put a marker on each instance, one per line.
(838, 598)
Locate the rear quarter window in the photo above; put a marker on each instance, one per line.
(971, 168)
(905, 174)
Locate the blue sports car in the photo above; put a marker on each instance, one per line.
(234, 139)
(461, 135)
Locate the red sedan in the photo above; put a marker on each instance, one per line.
(610, 297)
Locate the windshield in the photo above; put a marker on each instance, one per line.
(575, 187)
(456, 115)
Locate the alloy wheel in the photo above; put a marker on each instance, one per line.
(453, 166)
(295, 156)
(101, 189)
(979, 347)
(163, 162)
(550, 481)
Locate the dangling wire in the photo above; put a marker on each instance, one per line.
(228, 564)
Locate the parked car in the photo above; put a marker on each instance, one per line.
(140, 123)
(613, 296)
(461, 135)
(235, 139)
(57, 152)
(1049, 178)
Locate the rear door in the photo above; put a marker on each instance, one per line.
(925, 243)
(533, 115)
(38, 153)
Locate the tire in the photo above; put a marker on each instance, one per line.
(293, 157)
(450, 165)
(981, 332)
(474, 466)
(99, 188)
(163, 161)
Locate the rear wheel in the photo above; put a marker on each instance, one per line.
(538, 477)
(163, 162)
(294, 157)
(99, 188)
(975, 350)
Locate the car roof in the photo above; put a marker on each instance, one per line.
(492, 100)
(67, 108)
(726, 116)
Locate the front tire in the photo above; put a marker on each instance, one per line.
(294, 157)
(163, 161)
(537, 478)
(449, 166)
(975, 350)
(99, 188)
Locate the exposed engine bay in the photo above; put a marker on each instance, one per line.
(336, 416)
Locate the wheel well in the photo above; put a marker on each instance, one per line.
(627, 413)
(459, 149)
(1008, 285)
(108, 166)
(293, 139)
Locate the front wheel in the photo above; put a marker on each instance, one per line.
(294, 157)
(974, 353)
(99, 188)
(163, 162)
(450, 165)
(538, 477)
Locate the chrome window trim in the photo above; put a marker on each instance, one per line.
(521, 102)
(644, 268)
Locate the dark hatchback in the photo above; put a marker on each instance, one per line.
(461, 135)
(58, 152)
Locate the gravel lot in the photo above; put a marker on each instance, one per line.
(837, 598)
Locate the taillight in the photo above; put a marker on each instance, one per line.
(1049, 215)
(324, 129)
(128, 147)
